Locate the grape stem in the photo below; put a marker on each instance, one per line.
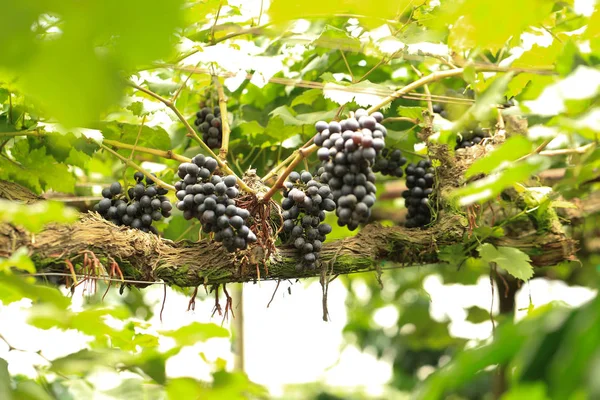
(138, 168)
(225, 129)
(168, 154)
(192, 133)
(301, 154)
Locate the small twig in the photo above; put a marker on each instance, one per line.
(399, 119)
(138, 168)
(492, 302)
(168, 154)
(192, 302)
(275, 291)
(226, 130)
(192, 133)
(347, 65)
(561, 152)
(162, 307)
(212, 30)
(301, 154)
(180, 88)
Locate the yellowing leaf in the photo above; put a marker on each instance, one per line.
(489, 24)
(514, 261)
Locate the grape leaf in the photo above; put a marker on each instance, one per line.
(512, 260)
(19, 259)
(492, 185)
(453, 254)
(196, 332)
(34, 217)
(307, 97)
(411, 112)
(477, 314)
(511, 150)
(5, 391)
(339, 38)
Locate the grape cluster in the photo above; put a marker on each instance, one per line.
(390, 163)
(209, 124)
(348, 151)
(470, 138)
(211, 199)
(439, 109)
(145, 203)
(419, 181)
(304, 203)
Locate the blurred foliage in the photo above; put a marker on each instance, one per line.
(64, 75)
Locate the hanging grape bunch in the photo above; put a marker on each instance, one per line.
(209, 124)
(304, 203)
(348, 152)
(390, 163)
(144, 204)
(439, 109)
(471, 137)
(211, 199)
(419, 181)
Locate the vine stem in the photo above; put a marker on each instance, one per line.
(192, 133)
(226, 130)
(168, 154)
(138, 168)
(302, 153)
(21, 133)
(435, 76)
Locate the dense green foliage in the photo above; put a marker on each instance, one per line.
(91, 92)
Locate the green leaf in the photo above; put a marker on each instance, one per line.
(5, 391)
(36, 163)
(477, 315)
(529, 391)
(78, 158)
(338, 37)
(511, 150)
(77, 74)
(453, 254)
(513, 260)
(492, 185)
(182, 388)
(283, 10)
(196, 332)
(34, 217)
(307, 97)
(14, 288)
(474, 22)
(154, 137)
(30, 390)
(19, 260)
(410, 112)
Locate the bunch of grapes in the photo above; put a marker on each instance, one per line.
(348, 152)
(144, 204)
(211, 199)
(471, 137)
(209, 124)
(439, 109)
(304, 203)
(419, 181)
(390, 163)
